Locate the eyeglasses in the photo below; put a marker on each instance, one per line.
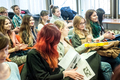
(82, 23)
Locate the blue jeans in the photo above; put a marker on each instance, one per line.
(106, 70)
(112, 61)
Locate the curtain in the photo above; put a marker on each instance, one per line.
(119, 7)
(34, 6)
(95, 4)
(7, 4)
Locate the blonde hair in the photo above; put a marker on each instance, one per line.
(76, 22)
(60, 24)
(2, 9)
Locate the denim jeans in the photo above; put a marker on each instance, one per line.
(112, 61)
(106, 70)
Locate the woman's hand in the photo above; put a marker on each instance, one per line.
(113, 37)
(17, 29)
(23, 46)
(73, 74)
(89, 38)
(97, 40)
(17, 47)
(109, 35)
(112, 32)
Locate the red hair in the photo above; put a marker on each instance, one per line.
(47, 39)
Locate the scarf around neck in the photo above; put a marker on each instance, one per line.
(95, 29)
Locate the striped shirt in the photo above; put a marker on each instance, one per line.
(16, 20)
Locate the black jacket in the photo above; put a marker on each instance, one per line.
(38, 68)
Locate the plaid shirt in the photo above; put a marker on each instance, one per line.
(16, 20)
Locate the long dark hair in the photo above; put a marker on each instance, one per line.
(100, 13)
(25, 27)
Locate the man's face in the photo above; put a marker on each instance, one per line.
(17, 10)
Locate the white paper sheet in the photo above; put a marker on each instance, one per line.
(72, 59)
(87, 55)
(85, 69)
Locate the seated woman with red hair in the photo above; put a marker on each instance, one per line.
(42, 60)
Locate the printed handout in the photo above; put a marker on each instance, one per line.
(72, 59)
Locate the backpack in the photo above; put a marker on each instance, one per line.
(67, 13)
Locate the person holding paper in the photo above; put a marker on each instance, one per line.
(42, 60)
(64, 45)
